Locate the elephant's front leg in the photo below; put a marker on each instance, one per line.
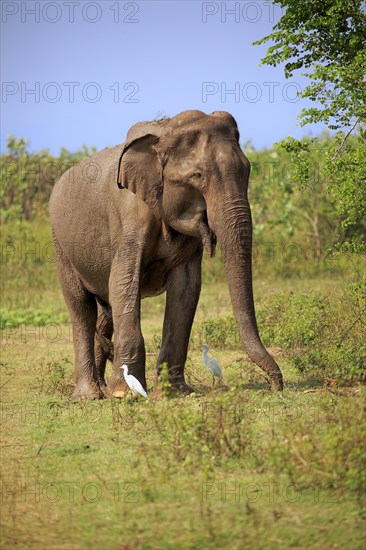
(183, 291)
(125, 299)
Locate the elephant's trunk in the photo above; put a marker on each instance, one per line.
(232, 224)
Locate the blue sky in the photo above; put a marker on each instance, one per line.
(96, 68)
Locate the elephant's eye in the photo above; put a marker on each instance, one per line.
(197, 175)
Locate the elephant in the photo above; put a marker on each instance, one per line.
(132, 221)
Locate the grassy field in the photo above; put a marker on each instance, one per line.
(232, 466)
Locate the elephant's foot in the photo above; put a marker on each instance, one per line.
(103, 387)
(180, 386)
(117, 387)
(88, 391)
(120, 391)
(276, 382)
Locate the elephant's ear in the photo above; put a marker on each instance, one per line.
(139, 169)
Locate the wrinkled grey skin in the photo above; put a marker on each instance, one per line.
(132, 221)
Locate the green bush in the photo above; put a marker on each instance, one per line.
(27, 178)
(320, 334)
(219, 332)
(31, 317)
(292, 321)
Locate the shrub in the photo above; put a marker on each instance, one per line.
(321, 335)
(292, 321)
(31, 317)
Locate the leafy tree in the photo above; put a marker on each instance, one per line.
(327, 38)
(302, 215)
(27, 178)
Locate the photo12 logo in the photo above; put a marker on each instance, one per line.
(70, 12)
(250, 92)
(69, 92)
(69, 491)
(33, 413)
(268, 491)
(240, 12)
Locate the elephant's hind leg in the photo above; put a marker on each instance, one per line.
(82, 307)
(103, 348)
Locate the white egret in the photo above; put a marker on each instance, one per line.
(211, 364)
(132, 382)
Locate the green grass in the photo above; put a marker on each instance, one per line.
(231, 466)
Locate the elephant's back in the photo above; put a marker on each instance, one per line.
(81, 198)
(87, 179)
(85, 189)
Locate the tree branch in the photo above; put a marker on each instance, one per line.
(345, 139)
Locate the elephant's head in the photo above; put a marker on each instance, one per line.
(192, 168)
